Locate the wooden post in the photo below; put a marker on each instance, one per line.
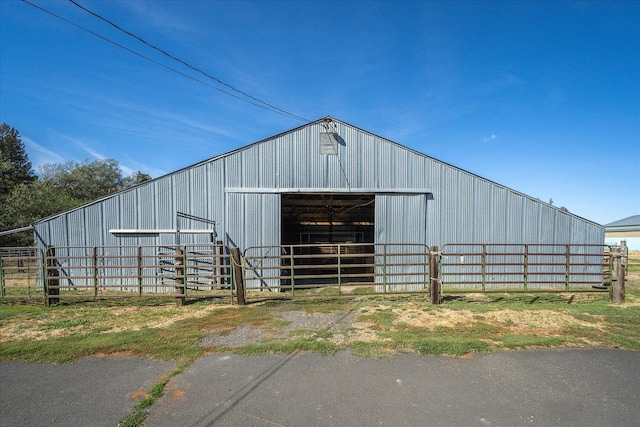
(237, 274)
(434, 279)
(618, 282)
(52, 281)
(139, 262)
(624, 252)
(567, 266)
(2, 290)
(94, 261)
(179, 279)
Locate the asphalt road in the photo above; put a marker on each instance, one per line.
(570, 387)
(91, 392)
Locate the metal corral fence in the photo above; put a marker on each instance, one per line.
(117, 271)
(215, 270)
(21, 272)
(337, 268)
(525, 267)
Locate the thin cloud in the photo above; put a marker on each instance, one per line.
(85, 147)
(126, 170)
(492, 137)
(135, 166)
(165, 19)
(40, 155)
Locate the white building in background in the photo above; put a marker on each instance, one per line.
(627, 229)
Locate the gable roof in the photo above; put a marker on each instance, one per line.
(296, 129)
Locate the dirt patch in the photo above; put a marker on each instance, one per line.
(67, 323)
(139, 395)
(433, 319)
(298, 323)
(345, 327)
(545, 322)
(178, 394)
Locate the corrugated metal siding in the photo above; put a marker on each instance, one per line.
(254, 220)
(462, 207)
(400, 218)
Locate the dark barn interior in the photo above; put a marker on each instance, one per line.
(317, 219)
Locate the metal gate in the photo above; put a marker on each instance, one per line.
(466, 267)
(337, 268)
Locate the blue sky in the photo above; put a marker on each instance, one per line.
(542, 97)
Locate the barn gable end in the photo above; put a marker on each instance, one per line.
(372, 189)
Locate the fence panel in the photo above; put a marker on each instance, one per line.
(525, 267)
(122, 271)
(20, 272)
(337, 268)
(322, 269)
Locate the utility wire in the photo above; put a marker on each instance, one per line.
(260, 105)
(186, 64)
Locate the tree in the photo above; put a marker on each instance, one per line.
(62, 186)
(85, 181)
(30, 202)
(15, 167)
(135, 179)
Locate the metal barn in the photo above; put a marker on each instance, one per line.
(324, 182)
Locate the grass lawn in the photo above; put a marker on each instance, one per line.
(370, 326)
(378, 325)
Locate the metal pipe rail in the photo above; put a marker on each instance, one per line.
(124, 271)
(528, 267)
(20, 272)
(341, 267)
(206, 270)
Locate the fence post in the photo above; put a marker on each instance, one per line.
(237, 274)
(526, 267)
(434, 279)
(139, 263)
(567, 266)
(624, 252)
(2, 291)
(95, 272)
(52, 288)
(618, 283)
(384, 267)
(218, 265)
(292, 273)
(179, 279)
(339, 269)
(484, 267)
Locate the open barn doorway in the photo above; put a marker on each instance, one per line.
(319, 222)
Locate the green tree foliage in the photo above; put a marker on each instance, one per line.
(29, 202)
(15, 167)
(135, 179)
(25, 199)
(85, 181)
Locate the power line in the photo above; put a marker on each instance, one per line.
(258, 103)
(186, 64)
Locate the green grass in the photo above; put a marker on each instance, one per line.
(454, 346)
(295, 345)
(72, 330)
(372, 349)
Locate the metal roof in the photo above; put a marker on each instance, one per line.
(629, 223)
(395, 188)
